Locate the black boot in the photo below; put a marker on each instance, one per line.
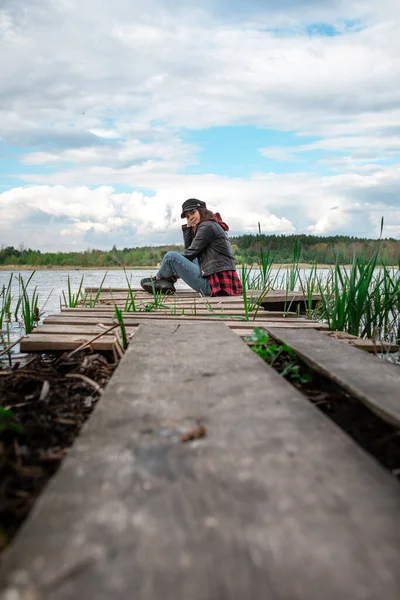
(158, 285)
(172, 279)
(147, 280)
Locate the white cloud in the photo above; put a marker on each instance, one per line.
(99, 217)
(98, 94)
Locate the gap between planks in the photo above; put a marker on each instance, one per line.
(374, 381)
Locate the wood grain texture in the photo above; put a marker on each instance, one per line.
(38, 342)
(278, 299)
(189, 310)
(274, 503)
(103, 316)
(375, 382)
(364, 344)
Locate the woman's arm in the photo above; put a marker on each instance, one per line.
(205, 235)
(187, 235)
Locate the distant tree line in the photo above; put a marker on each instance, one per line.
(310, 248)
(323, 250)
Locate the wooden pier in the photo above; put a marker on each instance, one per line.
(72, 327)
(272, 501)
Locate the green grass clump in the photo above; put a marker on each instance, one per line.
(270, 351)
(363, 301)
(7, 418)
(71, 301)
(87, 299)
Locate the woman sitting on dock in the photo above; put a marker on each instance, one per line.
(207, 264)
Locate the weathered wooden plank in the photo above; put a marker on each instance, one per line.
(275, 502)
(136, 318)
(94, 330)
(178, 306)
(161, 313)
(275, 299)
(185, 311)
(363, 344)
(65, 329)
(176, 298)
(138, 290)
(37, 342)
(244, 330)
(375, 382)
(171, 299)
(276, 294)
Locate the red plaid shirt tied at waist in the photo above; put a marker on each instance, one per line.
(226, 283)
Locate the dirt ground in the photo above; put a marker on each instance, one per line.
(377, 437)
(50, 399)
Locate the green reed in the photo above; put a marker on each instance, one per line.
(292, 272)
(244, 278)
(364, 301)
(122, 328)
(309, 286)
(5, 302)
(29, 305)
(87, 299)
(73, 299)
(157, 303)
(130, 304)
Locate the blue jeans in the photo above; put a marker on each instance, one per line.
(174, 263)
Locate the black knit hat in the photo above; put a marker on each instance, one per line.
(191, 204)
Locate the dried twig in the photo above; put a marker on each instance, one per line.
(10, 346)
(44, 391)
(86, 344)
(89, 381)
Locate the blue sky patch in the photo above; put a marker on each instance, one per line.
(235, 151)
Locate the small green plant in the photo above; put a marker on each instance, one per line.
(29, 304)
(6, 421)
(208, 304)
(73, 299)
(271, 351)
(157, 301)
(87, 298)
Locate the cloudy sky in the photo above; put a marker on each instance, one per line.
(283, 112)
